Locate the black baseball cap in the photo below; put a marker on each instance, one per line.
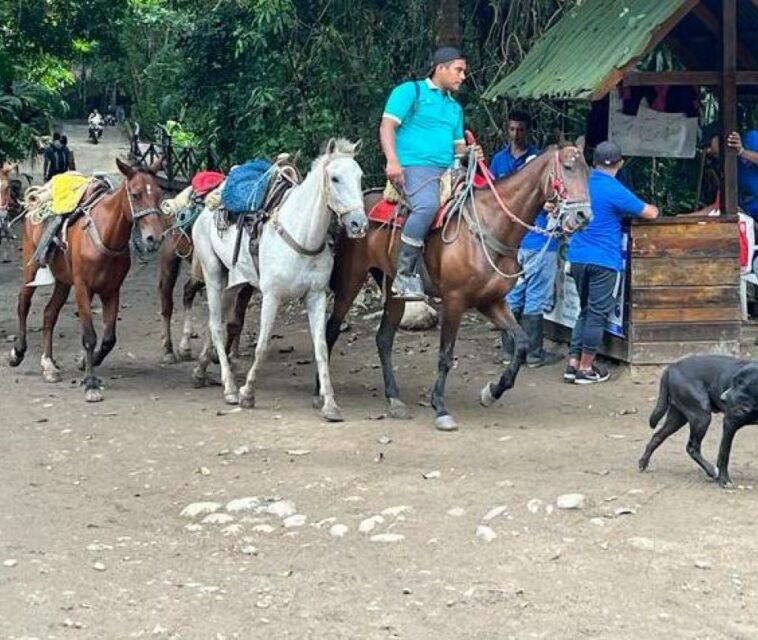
(443, 55)
(607, 154)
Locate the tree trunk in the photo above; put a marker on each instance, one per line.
(449, 24)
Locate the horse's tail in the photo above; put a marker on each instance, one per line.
(196, 272)
(664, 401)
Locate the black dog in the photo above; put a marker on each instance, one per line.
(694, 388)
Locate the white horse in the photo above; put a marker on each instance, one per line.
(294, 260)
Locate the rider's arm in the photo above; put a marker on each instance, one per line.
(399, 105)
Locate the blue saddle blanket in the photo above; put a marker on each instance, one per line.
(246, 187)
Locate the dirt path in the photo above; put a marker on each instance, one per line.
(98, 537)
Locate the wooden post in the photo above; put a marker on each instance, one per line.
(728, 105)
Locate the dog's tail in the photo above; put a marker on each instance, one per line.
(664, 400)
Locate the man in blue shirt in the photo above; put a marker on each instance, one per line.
(421, 131)
(533, 292)
(595, 256)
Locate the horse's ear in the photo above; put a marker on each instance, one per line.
(9, 168)
(580, 142)
(357, 147)
(124, 168)
(331, 146)
(156, 165)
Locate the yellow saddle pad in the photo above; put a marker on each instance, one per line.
(67, 190)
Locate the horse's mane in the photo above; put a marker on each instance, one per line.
(343, 147)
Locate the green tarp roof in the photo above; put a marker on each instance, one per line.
(589, 48)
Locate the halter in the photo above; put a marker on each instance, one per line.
(137, 215)
(340, 212)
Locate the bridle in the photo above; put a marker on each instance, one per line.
(137, 215)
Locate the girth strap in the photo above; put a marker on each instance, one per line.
(294, 244)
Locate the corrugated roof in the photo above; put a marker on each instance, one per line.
(586, 49)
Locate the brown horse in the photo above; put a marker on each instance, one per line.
(177, 247)
(463, 266)
(8, 207)
(95, 261)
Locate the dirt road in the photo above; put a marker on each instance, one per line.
(160, 513)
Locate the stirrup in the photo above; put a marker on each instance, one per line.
(44, 277)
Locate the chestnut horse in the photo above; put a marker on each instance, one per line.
(176, 248)
(471, 264)
(96, 261)
(8, 208)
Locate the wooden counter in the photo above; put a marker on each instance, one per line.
(682, 291)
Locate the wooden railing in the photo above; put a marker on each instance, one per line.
(180, 163)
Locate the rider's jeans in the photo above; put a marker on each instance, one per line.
(422, 189)
(533, 293)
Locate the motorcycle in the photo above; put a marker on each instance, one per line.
(95, 131)
(110, 120)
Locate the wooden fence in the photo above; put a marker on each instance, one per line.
(180, 163)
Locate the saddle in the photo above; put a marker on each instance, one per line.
(284, 176)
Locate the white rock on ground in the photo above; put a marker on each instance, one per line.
(217, 518)
(396, 511)
(485, 533)
(263, 528)
(282, 508)
(10, 562)
(534, 505)
(200, 508)
(298, 520)
(368, 524)
(338, 530)
(495, 512)
(243, 504)
(571, 501)
(456, 512)
(387, 537)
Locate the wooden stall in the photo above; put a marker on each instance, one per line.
(682, 292)
(682, 278)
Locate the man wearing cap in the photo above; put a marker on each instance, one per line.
(420, 133)
(595, 256)
(532, 295)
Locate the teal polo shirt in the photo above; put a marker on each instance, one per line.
(429, 129)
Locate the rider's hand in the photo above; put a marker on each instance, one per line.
(478, 152)
(394, 172)
(550, 208)
(734, 141)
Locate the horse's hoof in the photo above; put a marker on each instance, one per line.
(398, 410)
(15, 358)
(169, 358)
(93, 395)
(642, 464)
(445, 423)
(317, 402)
(486, 397)
(332, 414)
(231, 398)
(52, 375)
(199, 380)
(246, 402)
(725, 482)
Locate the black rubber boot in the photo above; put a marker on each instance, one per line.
(509, 345)
(407, 284)
(43, 250)
(537, 356)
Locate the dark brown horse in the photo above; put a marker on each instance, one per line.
(177, 247)
(96, 261)
(463, 263)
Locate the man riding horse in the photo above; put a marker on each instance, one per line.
(421, 133)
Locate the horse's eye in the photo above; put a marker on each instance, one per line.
(335, 179)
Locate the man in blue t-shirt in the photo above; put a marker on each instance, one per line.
(595, 256)
(533, 292)
(747, 166)
(421, 133)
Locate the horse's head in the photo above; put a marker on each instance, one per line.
(144, 197)
(342, 184)
(566, 184)
(5, 188)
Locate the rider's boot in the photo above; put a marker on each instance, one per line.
(408, 284)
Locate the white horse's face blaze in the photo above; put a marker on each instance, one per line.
(345, 195)
(575, 210)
